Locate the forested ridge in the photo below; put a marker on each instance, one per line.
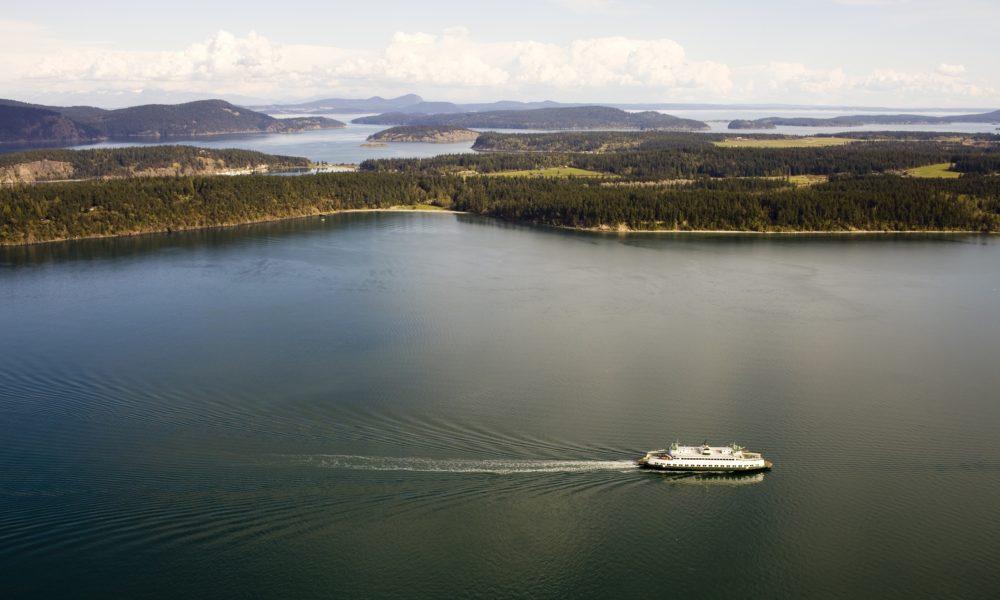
(666, 159)
(671, 155)
(611, 141)
(125, 206)
(129, 161)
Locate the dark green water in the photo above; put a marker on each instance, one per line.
(433, 406)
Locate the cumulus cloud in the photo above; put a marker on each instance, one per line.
(254, 64)
(788, 79)
(952, 70)
(452, 63)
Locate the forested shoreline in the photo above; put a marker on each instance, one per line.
(41, 165)
(60, 211)
(622, 181)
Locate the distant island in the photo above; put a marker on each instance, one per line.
(412, 103)
(433, 134)
(409, 103)
(576, 117)
(22, 123)
(36, 166)
(859, 120)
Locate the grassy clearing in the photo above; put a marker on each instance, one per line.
(800, 142)
(807, 180)
(939, 170)
(550, 172)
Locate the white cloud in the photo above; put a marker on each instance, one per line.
(947, 83)
(952, 70)
(254, 64)
(453, 64)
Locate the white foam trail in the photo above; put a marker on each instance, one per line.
(432, 465)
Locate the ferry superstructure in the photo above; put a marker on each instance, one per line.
(720, 459)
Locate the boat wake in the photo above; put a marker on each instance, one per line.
(433, 465)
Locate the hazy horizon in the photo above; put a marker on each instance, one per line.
(872, 53)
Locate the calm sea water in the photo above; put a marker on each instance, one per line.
(438, 406)
(346, 145)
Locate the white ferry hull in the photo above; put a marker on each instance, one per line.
(766, 466)
(704, 459)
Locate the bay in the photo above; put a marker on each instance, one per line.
(400, 405)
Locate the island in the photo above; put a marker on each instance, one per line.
(23, 123)
(750, 124)
(408, 103)
(859, 120)
(433, 134)
(573, 117)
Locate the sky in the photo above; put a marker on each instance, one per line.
(893, 53)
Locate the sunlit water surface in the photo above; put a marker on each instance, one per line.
(439, 406)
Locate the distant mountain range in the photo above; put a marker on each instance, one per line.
(857, 120)
(576, 117)
(409, 103)
(22, 123)
(412, 103)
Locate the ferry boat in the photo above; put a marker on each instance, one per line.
(718, 459)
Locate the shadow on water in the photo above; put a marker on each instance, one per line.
(708, 479)
(112, 248)
(125, 246)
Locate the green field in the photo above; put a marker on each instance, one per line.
(550, 172)
(799, 142)
(807, 180)
(941, 170)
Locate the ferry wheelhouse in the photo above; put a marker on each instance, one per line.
(722, 459)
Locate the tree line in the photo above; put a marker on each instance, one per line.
(659, 157)
(126, 206)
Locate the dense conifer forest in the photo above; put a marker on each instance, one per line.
(34, 213)
(635, 181)
(664, 156)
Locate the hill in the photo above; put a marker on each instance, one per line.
(22, 123)
(858, 120)
(424, 133)
(34, 166)
(345, 105)
(25, 124)
(581, 117)
(409, 103)
(204, 117)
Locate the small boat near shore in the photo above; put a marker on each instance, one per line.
(705, 458)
